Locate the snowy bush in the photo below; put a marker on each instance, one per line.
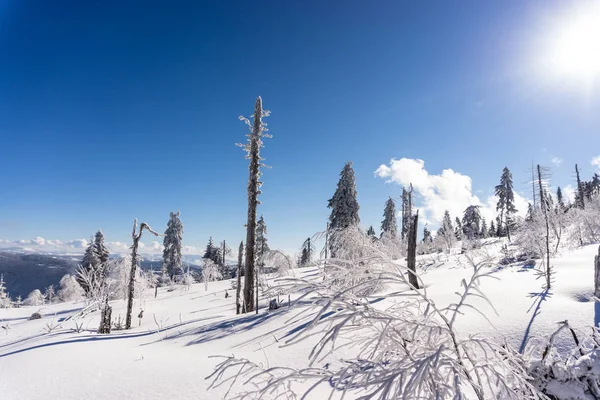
(408, 350)
(70, 289)
(5, 301)
(35, 298)
(566, 375)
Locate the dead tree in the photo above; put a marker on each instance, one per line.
(136, 236)
(579, 199)
(411, 260)
(597, 274)
(238, 288)
(105, 318)
(252, 148)
(544, 207)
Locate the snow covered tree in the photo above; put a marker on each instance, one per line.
(101, 249)
(506, 200)
(50, 294)
(262, 247)
(458, 229)
(35, 298)
(446, 232)
(210, 272)
(258, 131)
(388, 225)
(90, 262)
(224, 251)
(492, 230)
(484, 229)
(5, 301)
(427, 235)
(306, 253)
(580, 193)
(371, 233)
(559, 199)
(69, 289)
(344, 207)
(172, 243)
(471, 222)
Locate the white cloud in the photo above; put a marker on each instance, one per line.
(557, 161)
(596, 162)
(449, 190)
(568, 193)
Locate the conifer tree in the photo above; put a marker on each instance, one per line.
(371, 233)
(344, 206)
(492, 230)
(484, 229)
(506, 200)
(427, 235)
(559, 199)
(252, 147)
(262, 247)
(458, 229)
(579, 195)
(90, 263)
(306, 253)
(101, 249)
(471, 222)
(5, 301)
(447, 223)
(172, 243)
(388, 225)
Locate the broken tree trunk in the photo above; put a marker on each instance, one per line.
(134, 261)
(238, 288)
(105, 318)
(412, 251)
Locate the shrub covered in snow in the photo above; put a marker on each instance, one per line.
(35, 298)
(70, 289)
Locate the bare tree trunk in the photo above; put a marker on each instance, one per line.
(411, 260)
(253, 191)
(256, 308)
(597, 274)
(544, 207)
(105, 318)
(580, 193)
(238, 288)
(134, 261)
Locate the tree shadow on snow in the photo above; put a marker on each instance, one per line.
(99, 337)
(536, 306)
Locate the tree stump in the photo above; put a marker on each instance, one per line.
(105, 319)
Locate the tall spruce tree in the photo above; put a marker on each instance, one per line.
(371, 233)
(306, 253)
(172, 242)
(458, 229)
(484, 229)
(91, 264)
(447, 223)
(559, 199)
(344, 206)
(210, 249)
(258, 131)
(389, 226)
(101, 249)
(427, 235)
(506, 200)
(492, 230)
(471, 222)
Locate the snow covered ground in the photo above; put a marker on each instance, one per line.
(167, 355)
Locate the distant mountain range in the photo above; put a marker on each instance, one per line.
(25, 270)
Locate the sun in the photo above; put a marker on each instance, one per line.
(574, 47)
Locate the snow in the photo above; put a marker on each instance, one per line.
(168, 355)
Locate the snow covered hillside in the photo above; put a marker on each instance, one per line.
(167, 355)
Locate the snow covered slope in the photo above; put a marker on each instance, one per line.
(167, 355)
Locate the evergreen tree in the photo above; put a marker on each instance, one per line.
(447, 223)
(559, 199)
(262, 247)
(492, 230)
(344, 205)
(306, 253)
(530, 213)
(91, 264)
(371, 233)
(172, 245)
(484, 229)
(209, 253)
(5, 301)
(427, 235)
(101, 249)
(388, 225)
(506, 200)
(458, 229)
(471, 222)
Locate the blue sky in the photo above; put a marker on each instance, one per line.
(111, 110)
